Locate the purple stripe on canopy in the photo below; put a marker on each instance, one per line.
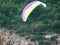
(27, 8)
(35, 0)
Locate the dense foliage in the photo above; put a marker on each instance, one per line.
(42, 20)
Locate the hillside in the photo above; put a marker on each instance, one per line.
(41, 21)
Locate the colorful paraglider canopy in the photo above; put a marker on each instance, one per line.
(29, 8)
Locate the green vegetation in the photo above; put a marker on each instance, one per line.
(44, 20)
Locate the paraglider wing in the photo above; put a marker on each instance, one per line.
(29, 8)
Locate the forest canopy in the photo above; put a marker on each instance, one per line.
(42, 19)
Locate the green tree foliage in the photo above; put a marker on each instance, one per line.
(42, 19)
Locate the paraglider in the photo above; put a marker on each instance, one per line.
(29, 8)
